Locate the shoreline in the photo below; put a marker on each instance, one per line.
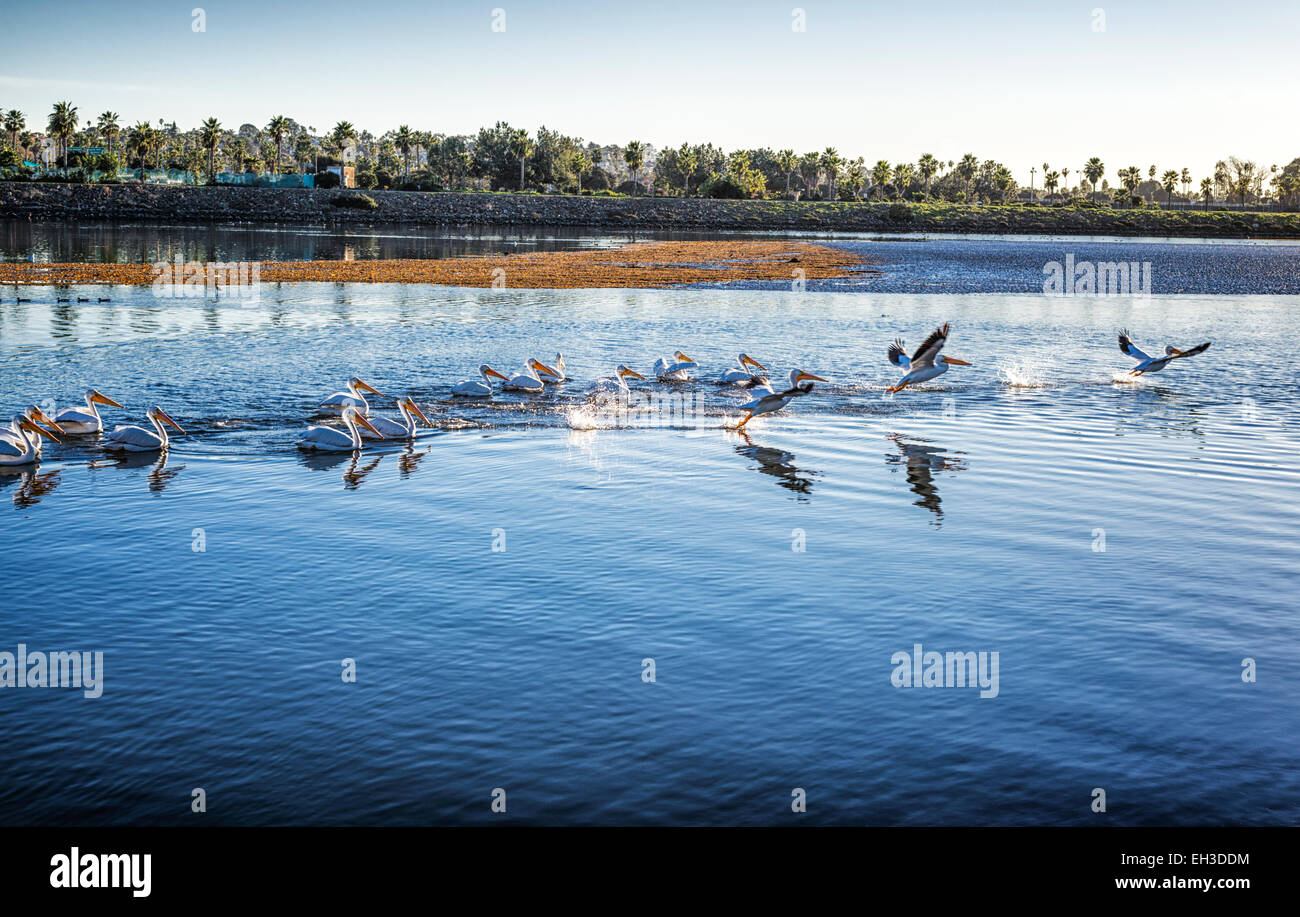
(132, 203)
(641, 265)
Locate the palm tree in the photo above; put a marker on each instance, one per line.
(787, 161)
(1170, 182)
(209, 137)
(966, 172)
(1093, 170)
(343, 136)
(1051, 180)
(902, 178)
(521, 148)
(830, 161)
(926, 166)
(1207, 191)
(688, 162)
(810, 170)
(634, 156)
(1002, 181)
(1065, 176)
(1186, 179)
(276, 128)
(403, 140)
(107, 127)
(14, 122)
(62, 125)
(880, 173)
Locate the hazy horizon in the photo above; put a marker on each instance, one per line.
(1012, 81)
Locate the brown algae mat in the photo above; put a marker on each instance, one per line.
(640, 264)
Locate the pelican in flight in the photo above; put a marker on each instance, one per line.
(678, 371)
(743, 374)
(352, 398)
(801, 383)
(386, 428)
(138, 439)
(554, 374)
(1149, 364)
(16, 447)
(473, 388)
(332, 439)
(85, 419)
(617, 383)
(926, 363)
(529, 380)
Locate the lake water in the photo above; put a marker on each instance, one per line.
(1121, 547)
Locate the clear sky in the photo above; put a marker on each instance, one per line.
(1177, 84)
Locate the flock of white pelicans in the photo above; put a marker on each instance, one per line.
(20, 442)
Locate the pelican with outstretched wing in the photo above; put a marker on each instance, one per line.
(1150, 364)
(679, 370)
(926, 364)
(801, 383)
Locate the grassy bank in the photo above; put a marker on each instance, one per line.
(129, 202)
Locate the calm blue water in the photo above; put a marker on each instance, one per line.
(963, 517)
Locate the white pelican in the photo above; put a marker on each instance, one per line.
(392, 429)
(1149, 364)
(529, 380)
(801, 383)
(926, 363)
(84, 419)
(332, 439)
(472, 388)
(352, 398)
(616, 384)
(555, 373)
(33, 415)
(742, 374)
(138, 439)
(678, 371)
(16, 447)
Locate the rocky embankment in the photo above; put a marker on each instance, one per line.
(136, 203)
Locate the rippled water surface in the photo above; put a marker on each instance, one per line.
(1122, 547)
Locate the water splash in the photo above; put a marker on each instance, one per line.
(1023, 374)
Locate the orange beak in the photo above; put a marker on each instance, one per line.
(495, 374)
(97, 398)
(166, 418)
(365, 423)
(366, 386)
(38, 414)
(955, 362)
(757, 365)
(808, 377)
(40, 431)
(542, 367)
(633, 373)
(415, 409)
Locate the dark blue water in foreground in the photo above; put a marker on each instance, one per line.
(967, 516)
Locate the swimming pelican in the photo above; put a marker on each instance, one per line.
(529, 380)
(332, 439)
(392, 429)
(472, 388)
(34, 415)
(556, 374)
(352, 398)
(616, 384)
(1149, 364)
(85, 420)
(138, 439)
(926, 363)
(16, 447)
(741, 375)
(677, 371)
(801, 383)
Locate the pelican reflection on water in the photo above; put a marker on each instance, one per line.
(29, 483)
(921, 462)
(779, 464)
